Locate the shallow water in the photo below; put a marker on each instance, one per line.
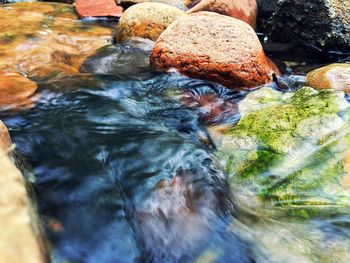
(125, 169)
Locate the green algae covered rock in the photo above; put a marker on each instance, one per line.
(289, 151)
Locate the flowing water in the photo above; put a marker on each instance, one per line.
(124, 170)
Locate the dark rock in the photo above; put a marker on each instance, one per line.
(320, 24)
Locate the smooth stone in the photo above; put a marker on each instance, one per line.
(146, 20)
(215, 47)
(245, 10)
(177, 3)
(334, 76)
(37, 34)
(15, 90)
(320, 24)
(98, 8)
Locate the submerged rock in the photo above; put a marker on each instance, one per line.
(334, 76)
(288, 152)
(34, 33)
(98, 8)
(146, 20)
(245, 10)
(215, 47)
(324, 24)
(15, 90)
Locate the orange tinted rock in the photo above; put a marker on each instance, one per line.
(98, 8)
(334, 76)
(15, 90)
(215, 47)
(40, 34)
(5, 140)
(245, 10)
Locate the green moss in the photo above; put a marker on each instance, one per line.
(300, 141)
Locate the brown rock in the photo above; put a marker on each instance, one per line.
(15, 90)
(215, 47)
(5, 140)
(98, 8)
(245, 10)
(334, 76)
(146, 20)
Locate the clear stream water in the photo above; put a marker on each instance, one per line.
(124, 165)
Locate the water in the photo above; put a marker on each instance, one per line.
(126, 171)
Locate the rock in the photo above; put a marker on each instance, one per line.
(245, 10)
(20, 235)
(335, 76)
(5, 140)
(177, 3)
(146, 20)
(128, 59)
(215, 47)
(266, 7)
(98, 8)
(52, 34)
(15, 90)
(321, 24)
(287, 153)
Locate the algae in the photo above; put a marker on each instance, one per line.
(288, 151)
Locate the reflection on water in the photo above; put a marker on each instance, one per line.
(126, 169)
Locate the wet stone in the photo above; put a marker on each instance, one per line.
(334, 76)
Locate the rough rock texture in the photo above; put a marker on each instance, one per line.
(335, 76)
(98, 8)
(20, 237)
(324, 24)
(15, 90)
(177, 3)
(46, 34)
(215, 47)
(289, 149)
(146, 20)
(245, 10)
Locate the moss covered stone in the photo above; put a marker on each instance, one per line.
(289, 149)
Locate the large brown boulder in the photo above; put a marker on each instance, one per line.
(245, 10)
(320, 24)
(15, 90)
(334, 76)
(215, 47)
(146, 20)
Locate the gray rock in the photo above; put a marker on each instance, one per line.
(321, 24)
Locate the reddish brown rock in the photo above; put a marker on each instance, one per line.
(15, 90)
(334, 76)
(215, 47)
(98, 8)
(245, 10)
